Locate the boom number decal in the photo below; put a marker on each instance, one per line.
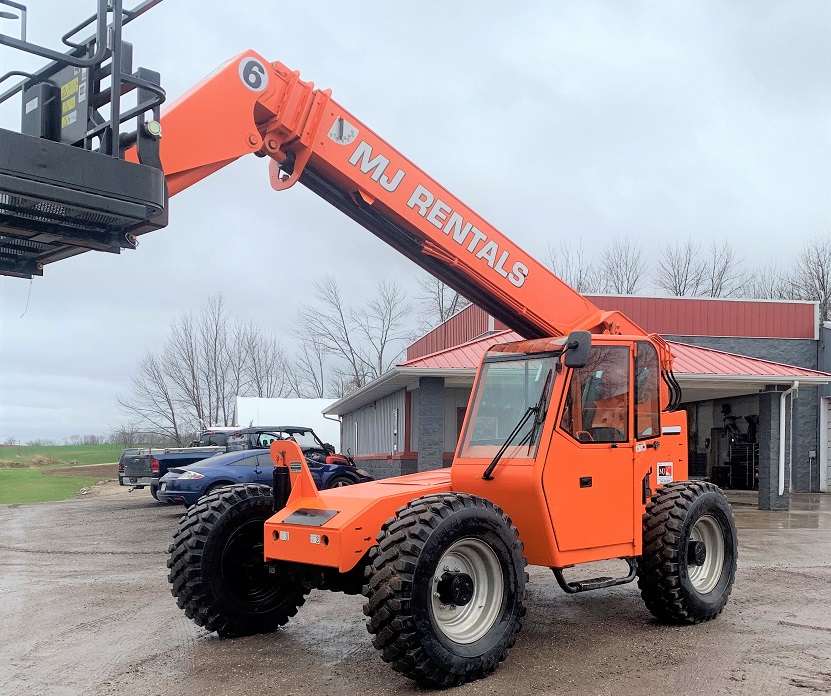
(253, 74)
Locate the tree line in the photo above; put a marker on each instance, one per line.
(690, 268)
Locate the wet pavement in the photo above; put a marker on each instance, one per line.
(85, 610)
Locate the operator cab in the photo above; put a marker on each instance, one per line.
(572, 429)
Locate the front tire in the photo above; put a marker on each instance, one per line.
(689, 556)
(216, 565)
(445, 589)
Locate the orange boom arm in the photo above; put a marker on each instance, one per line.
(264, 108)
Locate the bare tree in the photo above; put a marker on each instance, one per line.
(723, 275)
(681, 269)
(769, 282)
(570, 264)
(194, 379)
(265, 364)
(438, 302)
(811, 275)
(307, 373)
(623, 266)
(365, 341)
(153, 400)
(126, 435)
(382, 326)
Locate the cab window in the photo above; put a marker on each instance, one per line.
(597, 401)
(647, 392)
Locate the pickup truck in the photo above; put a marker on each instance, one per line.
(148, 466)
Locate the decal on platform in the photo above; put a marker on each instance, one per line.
(664, 473)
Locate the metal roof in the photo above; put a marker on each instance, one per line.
(703, 373)
(676, 316)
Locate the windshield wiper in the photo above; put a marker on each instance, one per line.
(530, 438)
(542, 409)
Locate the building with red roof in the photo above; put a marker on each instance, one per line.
(744, 367)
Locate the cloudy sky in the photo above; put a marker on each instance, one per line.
(554, 120)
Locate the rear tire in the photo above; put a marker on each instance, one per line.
(689, 556)
(445, 589)
(154, 491)
(340, 482)
(216, 565)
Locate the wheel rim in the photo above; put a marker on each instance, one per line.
(705, 577)
(477, 560)
(341, 483)
(243, 567)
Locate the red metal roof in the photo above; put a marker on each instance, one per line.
(464, 326)
(694, 360)
(689, 360)
(678, 316)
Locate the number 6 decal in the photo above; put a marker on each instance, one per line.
(253, 74)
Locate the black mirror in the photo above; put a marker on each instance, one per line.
(578, 346)
(329, 448)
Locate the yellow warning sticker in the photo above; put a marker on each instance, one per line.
(68, 105)
(69, 88)
(69, 119)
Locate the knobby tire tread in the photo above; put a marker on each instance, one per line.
(389, 588)
(188, 584)
(660, 565)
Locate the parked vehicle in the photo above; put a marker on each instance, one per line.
(185, 485)
(263, 435)
(147, 467)
(129, 453)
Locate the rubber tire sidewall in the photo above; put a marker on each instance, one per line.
(468, 523)
(242, 512)
(154, 491)
(715, 505)
(349, 481)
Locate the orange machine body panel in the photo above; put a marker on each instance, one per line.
(360, 510)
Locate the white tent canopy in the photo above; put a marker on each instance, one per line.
(252, 410)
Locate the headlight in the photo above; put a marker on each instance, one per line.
(191, 475)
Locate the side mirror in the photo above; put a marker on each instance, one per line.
(578, 346)
(329, 448)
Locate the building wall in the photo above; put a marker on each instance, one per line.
(799, 352)
(376, 427)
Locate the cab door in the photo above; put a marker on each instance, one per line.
(588, 476)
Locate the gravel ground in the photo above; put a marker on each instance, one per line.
(85, 610)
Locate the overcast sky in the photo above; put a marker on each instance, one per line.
(553, 120)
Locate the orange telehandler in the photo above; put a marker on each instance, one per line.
(572, 450)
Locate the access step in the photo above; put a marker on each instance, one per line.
(595, 583)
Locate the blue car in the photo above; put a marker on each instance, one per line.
(185, 485)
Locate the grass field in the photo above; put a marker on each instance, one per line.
(41, 474)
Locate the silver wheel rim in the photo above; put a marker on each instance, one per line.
(340, 484)
(705, 577)
(467, 624)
